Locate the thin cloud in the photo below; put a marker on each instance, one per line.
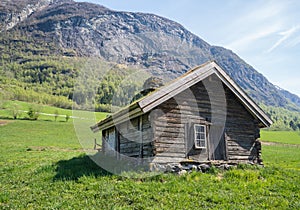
(285, 35)
(259, 33)
(294, 40)
(268, 11)
(264, 20)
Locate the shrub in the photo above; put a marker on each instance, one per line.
(34, 112)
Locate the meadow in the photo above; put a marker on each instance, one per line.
(43, 166)
(283, 137)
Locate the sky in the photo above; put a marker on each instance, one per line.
(264, 33)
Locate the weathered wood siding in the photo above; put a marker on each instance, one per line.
(174, 120)
(132, 138)
(173, 123)
(167, 131)
(241, 130)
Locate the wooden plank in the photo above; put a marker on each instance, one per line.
(168, 145)
(240, 144)
(241, 137)
(245, 158)
(158, 159)
(170, 154)
(164, 120)
(173, 121)
(169, 140)
(235, 131)
(235, 153)
(170, 135)
(169, 149)
(170, 129)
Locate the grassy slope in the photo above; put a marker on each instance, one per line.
(286, 137)
(42, 166)
(24, 106)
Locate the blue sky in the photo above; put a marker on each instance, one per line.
(266, 34)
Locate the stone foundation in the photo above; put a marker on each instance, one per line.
(189, 166)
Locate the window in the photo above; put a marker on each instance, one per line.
(200, 136)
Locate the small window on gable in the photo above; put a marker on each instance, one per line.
(200, 136)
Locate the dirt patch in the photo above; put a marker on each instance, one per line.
(281, 144)
(52, 148)
(220, 176)
(3, 122)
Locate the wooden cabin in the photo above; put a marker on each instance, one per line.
(202, 116)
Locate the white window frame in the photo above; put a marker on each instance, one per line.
(197, 146)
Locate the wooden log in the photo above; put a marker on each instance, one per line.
(162, 159)
(170, 122)
(239, 154)
(245, 158)
(169, 140)
(161, 134)
(170, 129)
(170, 149)
(170, 154)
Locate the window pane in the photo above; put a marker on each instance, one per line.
(202, 144)
(201, 128)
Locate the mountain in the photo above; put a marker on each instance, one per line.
(161, 46)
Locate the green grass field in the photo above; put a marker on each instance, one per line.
(24, 106)
(42, 166)
(285, 137)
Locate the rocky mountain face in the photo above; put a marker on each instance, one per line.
(161, 46)
(14, 12)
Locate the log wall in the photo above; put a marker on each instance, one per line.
(173, 123)
(167, 131)
(132, 138)
(241, 130)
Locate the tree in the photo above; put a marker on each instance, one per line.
(293, 125)
(15, 111)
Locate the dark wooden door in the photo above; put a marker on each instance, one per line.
(216, 142)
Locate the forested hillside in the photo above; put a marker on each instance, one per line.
(35, 73)
(283, 119)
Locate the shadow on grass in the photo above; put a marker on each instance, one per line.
(77, 167)
(85, 165)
